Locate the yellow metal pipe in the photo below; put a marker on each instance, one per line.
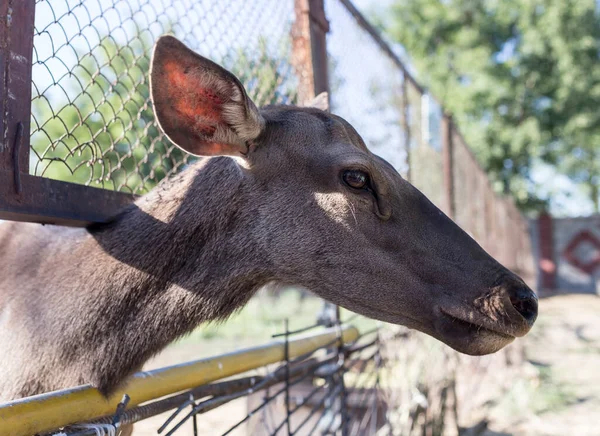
(46, 412)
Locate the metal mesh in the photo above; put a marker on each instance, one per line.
(365, 86)
(403, 124)
(92, 120)
(369, 90)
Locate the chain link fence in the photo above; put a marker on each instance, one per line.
(92, 121)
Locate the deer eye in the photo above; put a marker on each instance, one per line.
(356, 179)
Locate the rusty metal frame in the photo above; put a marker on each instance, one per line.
(16, 46)
(309, 44)
(24, 197)
(447, 155)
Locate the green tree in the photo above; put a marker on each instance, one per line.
(521, 78)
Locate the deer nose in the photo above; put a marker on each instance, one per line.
(525, 302)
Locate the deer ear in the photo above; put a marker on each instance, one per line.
(321, 101)
(199, 105)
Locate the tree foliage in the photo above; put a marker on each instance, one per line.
(521, 78)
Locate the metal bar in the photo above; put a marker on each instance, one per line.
(447, 154)
(299, 371)
(366, 391)
(42, 413)
(405, 121)
(215, 402)
(54, 202)
(271, 397)
(359, 348)
(301, 52)
(332, 394)
(302, 330)
(16, 50)
(311, 352)
(369, 413)
(327, 430)
(287, 378)
(363, 362)
(319, 26)
(304, 401)
(309, 55)
(340, 375)
(245, 385)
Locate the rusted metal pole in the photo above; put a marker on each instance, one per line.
(16, 47)
(404, 120)
(319, 27)
(448, 163)
(309, 55)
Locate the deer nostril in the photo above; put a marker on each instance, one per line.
(525, 302)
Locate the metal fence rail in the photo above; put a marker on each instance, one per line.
(46, 412)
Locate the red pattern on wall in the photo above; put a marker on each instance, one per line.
(583, 237)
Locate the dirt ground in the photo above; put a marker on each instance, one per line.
(558, 395)
(564, 350)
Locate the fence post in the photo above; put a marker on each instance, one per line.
(448, 163)
(547, 264)
(405, 121)
(309, 57)
(16, 50)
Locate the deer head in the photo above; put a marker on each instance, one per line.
(335, 218)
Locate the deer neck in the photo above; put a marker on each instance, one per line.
(184, 254)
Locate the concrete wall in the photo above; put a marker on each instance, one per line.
(567, 252)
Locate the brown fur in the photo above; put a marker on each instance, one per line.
(92, 305)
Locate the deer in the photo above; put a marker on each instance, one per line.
(284, 195)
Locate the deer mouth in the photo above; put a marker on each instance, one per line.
(475, 327)
(472, 336)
